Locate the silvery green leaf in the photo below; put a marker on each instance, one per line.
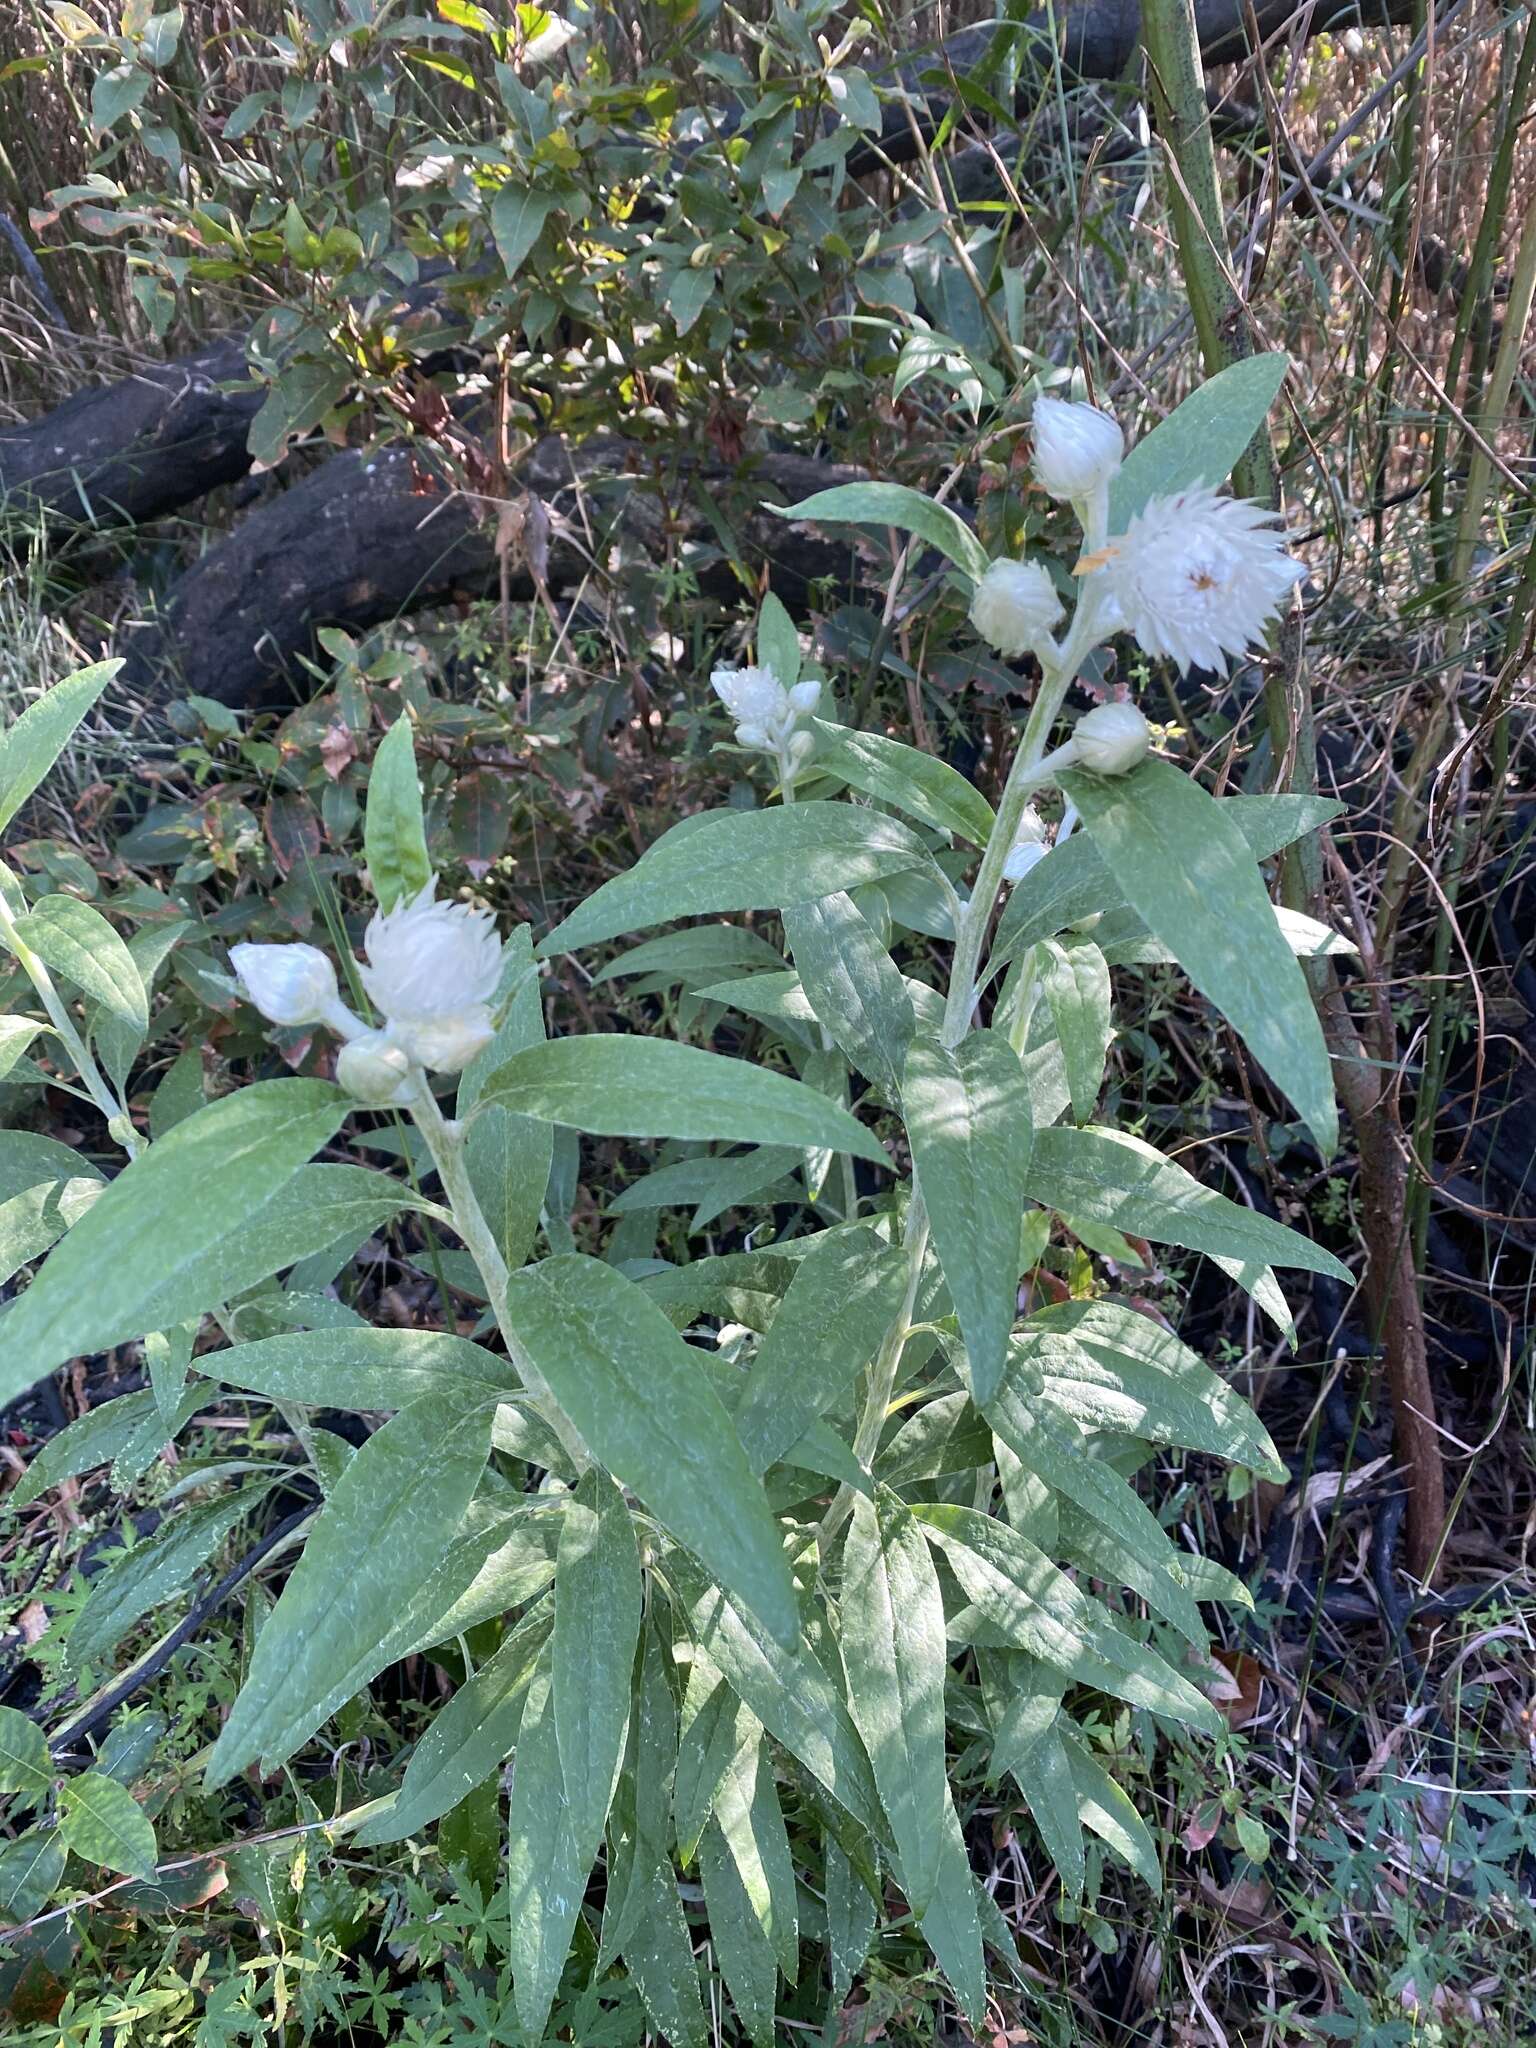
(29, 748)
(853, 986)
(77, 942)
(394, 839)
(910, 512)
(597, 1624)
(920, 784)
(1201, 441)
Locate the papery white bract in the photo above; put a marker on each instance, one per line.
(1077, 448)
(373, 1068)
(1028, 848)
(1196, 577)
(290, 985)
(446, 1044)
(429, 961)
(1014, 607)
(1111, 739)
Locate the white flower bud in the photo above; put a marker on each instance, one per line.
(753, 696)
(1111, 739)
(1077, 448)
(1028, 848)
(801, 747)
(446, 1044)
(1014, 607)
(288, 984)
(752, 736)
(373, 1068)
(804, 698)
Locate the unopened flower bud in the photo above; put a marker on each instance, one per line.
(289, 984)
(1028, 848)
(1077, 448)
(1111, 739)
(373, 1069)
(801, 747)
(1014, 607)
(804, 697)
(752, 736)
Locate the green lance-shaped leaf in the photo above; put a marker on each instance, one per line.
(159, 1218)
(1023, 1700)
(658, 1952)
(640, 1819)
(1201, 441)
(778, 644)
(29, 748)
(1186, 869)
(394, 838)
(597, 1623)
(623, 1086)
(745, 1954)
(1076, 982)
(743, 860)
(876, 504)
(102, 1822)
(24, 1765)
(1039, 1609)
(362, 1368)
(469, 1738)
(649, 1414)
(1111, 1368)
(77, 942)
(547, 1868)
(920, 784)
(968, 1120)
(851, 1916)
(105, 1433)
(854, 987)
(1107, 1176)
(895, 1655)
(845, 1295)
(750, 1819)
(375, 1541)
(1108, 1810)
(714, 1724)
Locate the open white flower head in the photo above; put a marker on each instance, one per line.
(1077, 448)
(753, 696)
(1014, 607)
(1111, 739)
(1028, 848)
(430, 963)
(289, 984)
(374, 1069)
(1197, 577)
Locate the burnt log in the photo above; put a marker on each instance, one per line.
(367, 537)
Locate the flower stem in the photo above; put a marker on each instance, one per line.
(445, 1141)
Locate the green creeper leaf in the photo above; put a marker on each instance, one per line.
(1110, 1177)
(845, 1295)
(778, 644)
(151, 1226)
(31, 1871)
(394, 839)
(854, 987)
(24, 1764)
(968, 1119)
(547, 1867)
(362, 1368)
(468, 1740)
(644, 1406)
(1186, 869)
(77, 942)
(909, 511)
(743, 860)
(788, 1690)
(1110, 1368)
(597, 1624)
(920, 784)
(376, 1539)
(517, 221)
(1021, 1592)
(102, 1822)
(895, 1654)
(1202, 441)
(1076, 982)
(29, 748)
(620, 1085)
